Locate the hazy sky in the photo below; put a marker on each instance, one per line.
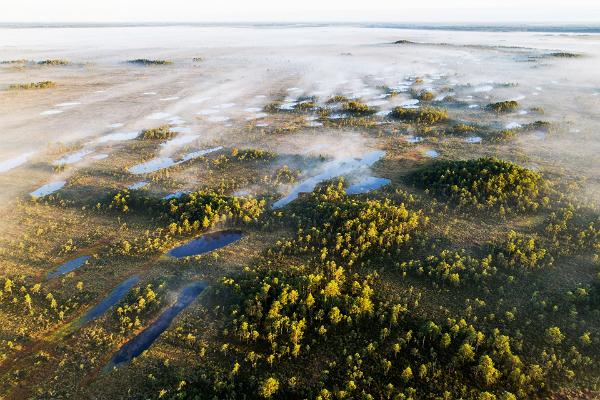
(300, 10)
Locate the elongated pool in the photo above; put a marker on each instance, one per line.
(144, 340)
(206, 243)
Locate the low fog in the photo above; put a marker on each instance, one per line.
(222, 77)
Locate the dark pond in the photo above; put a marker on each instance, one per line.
(113, 298)
(68, 267)
(144, 340)
(367, 184)
(206, 243)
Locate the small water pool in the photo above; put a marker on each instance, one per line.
(368, 184)
(144, 340)
(110, 300)
(206, 243)
(68, 267)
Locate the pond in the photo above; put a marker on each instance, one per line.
(206, 243)
(331, 169)
(144, 340)
(368, 184)
(68, 267)
(48, 188)
(110, 300)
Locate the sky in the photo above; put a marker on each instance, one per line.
(400, 11)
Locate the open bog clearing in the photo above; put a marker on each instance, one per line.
(296, 211)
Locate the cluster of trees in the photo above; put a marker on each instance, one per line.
(145, 61)
(139, 304)
(571, 230)
(423, 115)
(244, 155)
(486, 183)
(425, 95)
(503, 106)
(362, 231)
(34, 307)
(357, 108)
(54, 61)
(162, 132)
(189, 214)
(21, 61)
(369, 343)
(252, 154)
(32, 85)
(285, 175)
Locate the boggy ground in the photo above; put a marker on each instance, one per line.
(457, 279)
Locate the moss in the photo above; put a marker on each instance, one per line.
(503, 106)
(32, 85)
(425, 116)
